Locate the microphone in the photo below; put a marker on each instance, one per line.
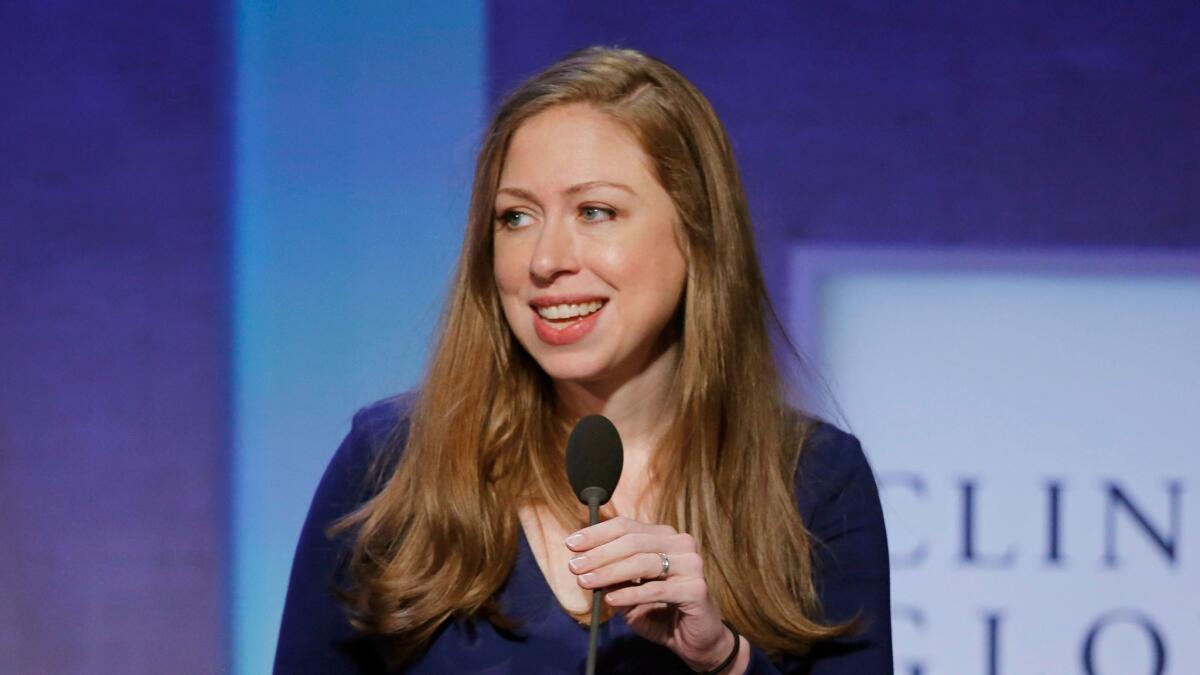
(594, 460)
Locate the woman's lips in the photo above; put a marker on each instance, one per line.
(559, 333)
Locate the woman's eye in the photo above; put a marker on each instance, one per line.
(594, 214)
(513, 219)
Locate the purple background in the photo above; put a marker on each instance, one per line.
(872, 123)
(114, 171)
(924, 123)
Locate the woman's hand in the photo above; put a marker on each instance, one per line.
(621, 556)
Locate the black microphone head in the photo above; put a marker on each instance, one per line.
(594, 457)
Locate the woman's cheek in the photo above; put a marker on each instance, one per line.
(613, 263)
(509, 268)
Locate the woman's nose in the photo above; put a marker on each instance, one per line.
(554, 253)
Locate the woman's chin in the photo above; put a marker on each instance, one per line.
(574, 374)
(572, 368)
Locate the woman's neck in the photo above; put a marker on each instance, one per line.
(639, 405)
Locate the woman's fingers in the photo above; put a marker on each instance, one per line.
(639, 566)
(585, 559)
(614, 528)
(644, 569)
(616, 550)
(629, 558)
(683, 591)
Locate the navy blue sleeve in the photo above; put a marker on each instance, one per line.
(839, 503)
(315, 636)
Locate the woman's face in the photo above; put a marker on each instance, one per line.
(586, 258)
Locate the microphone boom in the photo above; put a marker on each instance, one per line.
(594, 460)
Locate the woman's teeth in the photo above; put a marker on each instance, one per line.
(562, 312)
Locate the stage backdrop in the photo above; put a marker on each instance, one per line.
(114, 388)
(935, 126)
(171, 386)
(356, 126)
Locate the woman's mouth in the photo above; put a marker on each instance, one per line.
(564, 323)
(568, 312)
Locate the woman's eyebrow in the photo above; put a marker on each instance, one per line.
(522, 193)
(519, 193)
(580, 187)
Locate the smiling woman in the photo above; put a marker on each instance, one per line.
(609, 268)
(585, 225)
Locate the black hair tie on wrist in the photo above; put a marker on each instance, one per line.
(737, 644)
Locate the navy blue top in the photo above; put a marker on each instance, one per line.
(838, 501)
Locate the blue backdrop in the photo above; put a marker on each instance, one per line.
(225, 226)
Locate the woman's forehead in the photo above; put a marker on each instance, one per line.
(570, 147)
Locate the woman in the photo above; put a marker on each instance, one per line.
(608, 268)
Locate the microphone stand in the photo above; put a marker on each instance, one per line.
(595, 497)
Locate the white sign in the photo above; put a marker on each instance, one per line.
(1035, 429)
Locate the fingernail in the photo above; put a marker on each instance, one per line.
(587, 579)
(573, 540)
(614, 597)
(577, 562)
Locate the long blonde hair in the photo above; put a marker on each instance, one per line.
(440, 537)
